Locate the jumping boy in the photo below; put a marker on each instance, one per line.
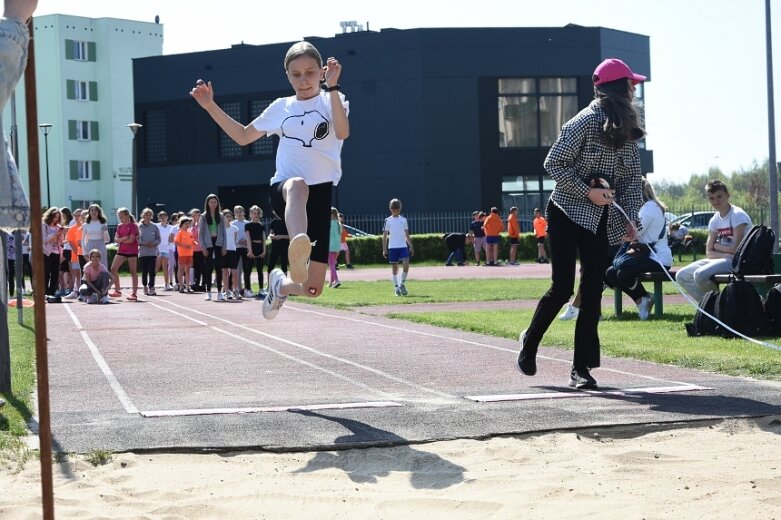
(397, 246)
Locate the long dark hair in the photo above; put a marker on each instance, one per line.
(101, 216)
(623, 122)
(207, 212)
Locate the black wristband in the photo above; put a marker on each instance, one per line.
(331, 88)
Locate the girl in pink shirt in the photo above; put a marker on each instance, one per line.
(127, 238)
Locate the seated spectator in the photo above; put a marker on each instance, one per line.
(96, 280)
(726, 229)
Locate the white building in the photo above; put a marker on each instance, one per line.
(84, 78)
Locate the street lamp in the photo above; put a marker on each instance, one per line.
(46, 127)
(134, 128)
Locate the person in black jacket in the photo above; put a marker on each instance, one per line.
(456, 243)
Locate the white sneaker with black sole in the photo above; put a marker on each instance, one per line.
(298, 257)
(273, 300)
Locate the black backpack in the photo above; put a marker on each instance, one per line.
(773, 310)
(702, 324)
(740, 307)
(754, 253)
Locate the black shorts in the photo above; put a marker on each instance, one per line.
(230, 260)
(540, 240)
(318, 216)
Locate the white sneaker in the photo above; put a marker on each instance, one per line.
(248, 293)
(104, 299)
(644, 307)
(221, 296)
(237, 295)
(397, 290)
(298, 257)
(72, 296)
(570, 313)
(208, 296)
(168, 287)
(92, 299)
(273, 300)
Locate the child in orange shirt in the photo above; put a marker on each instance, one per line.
(185, 244)
(541, 230)
(514, 232)
(77, 262)
(493, 227)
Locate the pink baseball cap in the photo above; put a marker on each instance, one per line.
(612, 69)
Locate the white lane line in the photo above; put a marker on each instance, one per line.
(626, 392)
(374, 371)
(354, 382)
(470, 342)
(227, 411)
(127, 403)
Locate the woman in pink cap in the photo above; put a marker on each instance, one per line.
(594, 162)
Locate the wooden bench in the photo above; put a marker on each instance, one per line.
(658, 278)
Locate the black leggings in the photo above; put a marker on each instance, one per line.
(198, 266)
(148, 270)
(278, 252)
(212, 260)
(248, 264)
(51, 269)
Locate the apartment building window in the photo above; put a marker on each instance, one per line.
(83, 204)
(227, 146)
(82, 90)
(85, 170)
(80, 50)
(266, 145)
(82, 130)
(532, 110)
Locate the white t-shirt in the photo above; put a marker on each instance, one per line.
(231, 234)
(724, 227)
(308, 146)
(165, 234)
(652, 222)
(241, 225)
(396, 227)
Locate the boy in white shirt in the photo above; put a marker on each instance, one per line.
(726, 230)
(397, 246)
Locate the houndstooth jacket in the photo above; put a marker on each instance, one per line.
(580, 155)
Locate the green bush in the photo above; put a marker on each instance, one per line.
(368, 250)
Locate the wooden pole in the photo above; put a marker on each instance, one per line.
(41, 348)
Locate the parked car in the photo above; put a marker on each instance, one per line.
(694, 220)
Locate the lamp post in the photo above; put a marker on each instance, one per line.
(134, 128)
(46, 127)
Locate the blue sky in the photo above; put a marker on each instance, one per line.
(706, 103)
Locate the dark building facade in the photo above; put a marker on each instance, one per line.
(444, 119)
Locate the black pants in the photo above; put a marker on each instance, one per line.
(11, 275)
(198, 268)
(212, 260)
(148, 271)
(51, 269)
(625, 278)
(567, 242)
(278, 253)
(249, 264)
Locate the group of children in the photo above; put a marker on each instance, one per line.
(485, 235)
(76, 260)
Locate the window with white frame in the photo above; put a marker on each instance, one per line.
(83, 131)
(85, 170)
(82, 90)
(80, 51)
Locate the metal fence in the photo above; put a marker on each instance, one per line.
(420, 223)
